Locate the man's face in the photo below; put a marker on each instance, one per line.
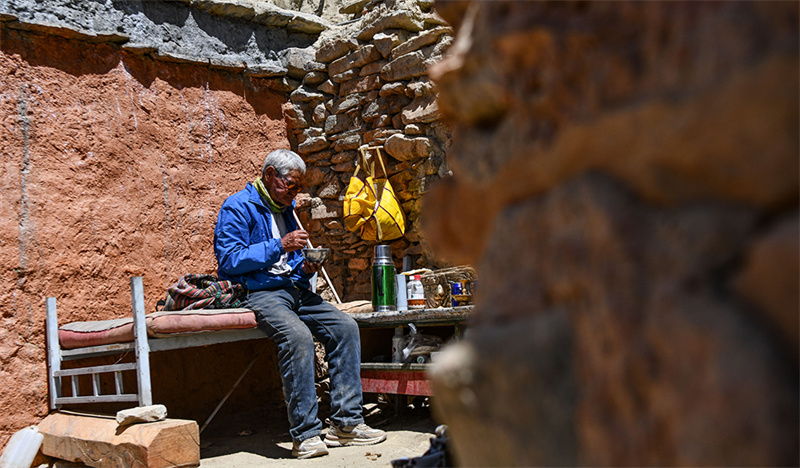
(283, 188)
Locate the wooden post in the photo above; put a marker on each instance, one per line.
(53, 351)
(142, 347)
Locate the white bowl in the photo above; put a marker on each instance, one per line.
(318, 255)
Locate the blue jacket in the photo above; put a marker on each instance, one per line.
(244, 245)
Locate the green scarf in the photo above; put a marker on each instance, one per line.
(274, 206)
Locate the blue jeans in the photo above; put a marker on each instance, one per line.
(291, 316)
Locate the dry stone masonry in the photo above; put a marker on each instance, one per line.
(368, 85)
(239, 36)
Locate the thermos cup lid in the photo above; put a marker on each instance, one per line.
(383, 251)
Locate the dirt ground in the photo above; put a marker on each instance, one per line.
(247, 440)
(260, 438)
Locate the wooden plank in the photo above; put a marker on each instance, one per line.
(97, 399)
(394, 366)
(96, 369)
(191, 340)
(91, 351)
(100, 442)
(442, 316)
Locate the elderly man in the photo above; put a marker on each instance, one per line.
(258, 244)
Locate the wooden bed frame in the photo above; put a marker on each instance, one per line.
(376, 377)
(142, 345)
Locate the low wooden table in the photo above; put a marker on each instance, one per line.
(402, 378)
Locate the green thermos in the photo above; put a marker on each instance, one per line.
(383, 280)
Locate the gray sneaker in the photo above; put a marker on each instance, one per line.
(353, 435)
(312, 447)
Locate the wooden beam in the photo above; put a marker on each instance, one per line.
(100, 442)
(419, 317)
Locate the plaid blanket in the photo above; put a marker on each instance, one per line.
(203, 292)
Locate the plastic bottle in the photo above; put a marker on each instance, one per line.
(416, 293)
(402, 290)
(22, 448)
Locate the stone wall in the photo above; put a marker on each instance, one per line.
(626, 182)
(250, 37)
(367, 85)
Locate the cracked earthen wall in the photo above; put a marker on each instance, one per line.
(113, 166)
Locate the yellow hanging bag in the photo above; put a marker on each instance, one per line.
(371, 208)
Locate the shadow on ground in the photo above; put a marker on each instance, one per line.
(260, 438)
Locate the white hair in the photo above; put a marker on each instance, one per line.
(284, 161)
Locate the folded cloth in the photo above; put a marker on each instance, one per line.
(194, 291)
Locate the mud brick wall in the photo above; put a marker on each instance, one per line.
(369, 86)
(114, 165)
(626, 182)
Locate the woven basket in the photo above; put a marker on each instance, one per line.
(445, 278)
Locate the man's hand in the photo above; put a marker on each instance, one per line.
(295, 240)
(310, 268)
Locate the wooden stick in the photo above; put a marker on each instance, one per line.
(225, 398)
(324, 273)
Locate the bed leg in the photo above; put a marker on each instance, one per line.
(142, 347)
(53, 352)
